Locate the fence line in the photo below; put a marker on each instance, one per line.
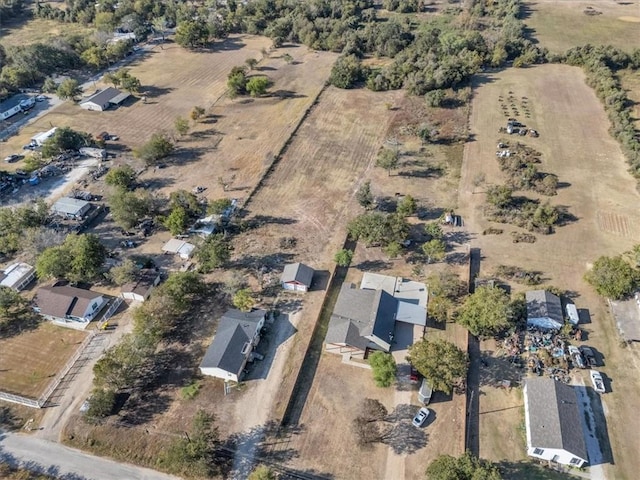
(10, 397)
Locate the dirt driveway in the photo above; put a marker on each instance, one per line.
(596, 189)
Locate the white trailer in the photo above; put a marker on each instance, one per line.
(43, 137)
(99, 153)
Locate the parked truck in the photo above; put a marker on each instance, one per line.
(99, 153)
(425, 392)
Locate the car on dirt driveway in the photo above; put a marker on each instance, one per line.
(421, 417)
(12, 158)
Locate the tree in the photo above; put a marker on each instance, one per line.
(343, 257)
(435, 98)
(101, 403)
(213, 253)
(78, 259)
(243, 300)
(159, 25)
(500, 196)
(219, 206)
(129, 208)
(367, 425)
(407, 206)
(375, 228)
(49, 85)
(387, 159)
(237, 81)
(613, 277)
(346, 72)
(194, 454)
(181, 125)
(262, 472)
(65, 139)
(465, 467)
(445, 288)
(69, 89)
(393, 249)
(190, 33)
(121, 177)
(433, 230)
(196, 113)
(130, 83)
(124, 273)
(251, 63)
(157, 148)
(364, 195)
(257, 86)
(15, 312)
(442, 363)
(177, 221)
(384, 368)
(434, 250)
(486, 312)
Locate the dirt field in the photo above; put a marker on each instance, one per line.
(29, 361)
(560, 24)
(232, 142)
(598, 192)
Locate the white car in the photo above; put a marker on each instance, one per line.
(421, 417)
(596, 380)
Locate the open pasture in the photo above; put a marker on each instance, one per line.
(30, 360)
(560, 24)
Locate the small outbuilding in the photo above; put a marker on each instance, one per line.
(297, 277)
(42, 137)
(140, 290)
(103, 99)
(17, 276)
(179, 247)
(232, 347)
(553, 422)
(70, 208)
(544, 310)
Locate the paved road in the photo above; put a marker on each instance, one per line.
(52, 458)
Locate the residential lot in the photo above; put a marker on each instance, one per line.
(30, 360)
(575, 144)
(560, 25)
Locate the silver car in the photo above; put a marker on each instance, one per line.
(421, 417)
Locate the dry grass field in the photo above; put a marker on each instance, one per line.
(597, 190)
(631, 83)
(233, 141)
(29, 361)
(38, 30)
(560, 24)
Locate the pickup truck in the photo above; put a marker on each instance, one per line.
(596, 380)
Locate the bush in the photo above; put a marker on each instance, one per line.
(101, 403)
(613, 277)
(383, 366)
(157, 148)
(346, 72)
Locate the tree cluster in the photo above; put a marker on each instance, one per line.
(465, 467)
(66, 139)
(123, 79)
(157, 148)
(15, 223)
(78, 259)
(442, 363)
(613, 277)
(377, 228)
(487, 312)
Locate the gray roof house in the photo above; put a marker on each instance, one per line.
(68, 305)
(544, 310)
(17, 276)
(70, 207)
(365, 318)
(141, 288)
(237, 334)
(297, 277)
(554, 422)
(103, 99)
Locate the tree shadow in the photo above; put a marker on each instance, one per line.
(564, 216)
(143, 406)
(430, 213)
(262, 220)
(153, 91)
(373, 265)
(19, 322)
(263, 263)
(427, 172)
(404, 437)
(285, 94)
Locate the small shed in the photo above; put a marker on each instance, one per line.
(70, 207)
(572, 314)
(544, 310)
(17, 276)
(297, 277)
(179, 247)
(140, 290)
(42, 137)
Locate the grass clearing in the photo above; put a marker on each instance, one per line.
(38, 30)
(559, 25)
(29, 361)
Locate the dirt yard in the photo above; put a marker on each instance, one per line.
(596, 189)
(231, 143)
(559, 24)
(29, 361)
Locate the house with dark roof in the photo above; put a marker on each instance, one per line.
(140, 289)
(553, 422)
(365, 318)
(65, 304)
(237, 335)
(103, 99)
(297, 277)
(544, 310)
